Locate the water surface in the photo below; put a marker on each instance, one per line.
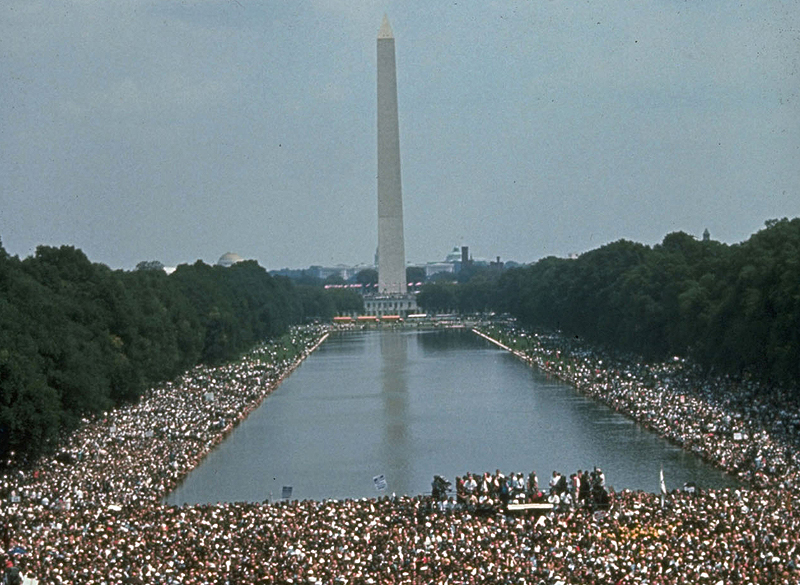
(409, 404)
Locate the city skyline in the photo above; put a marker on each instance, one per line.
(180, 131)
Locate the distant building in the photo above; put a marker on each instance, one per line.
(432, 268)
(451, 264)
(340, 270)
(465, 259)
(457, 256)
(229, 259)
(401, 305)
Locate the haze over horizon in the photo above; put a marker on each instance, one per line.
(177, 131)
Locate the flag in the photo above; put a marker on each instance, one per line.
(663, 485)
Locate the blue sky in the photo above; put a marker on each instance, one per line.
(177, 130)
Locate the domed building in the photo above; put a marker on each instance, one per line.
(229, 259)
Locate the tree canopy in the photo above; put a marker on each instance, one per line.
(734, 308)
(77, 338)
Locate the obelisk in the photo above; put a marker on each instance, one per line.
(391, 249)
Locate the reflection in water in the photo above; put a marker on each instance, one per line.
(413, 404)
(394, 394)
(441, 341)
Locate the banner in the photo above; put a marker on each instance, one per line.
(380, 482)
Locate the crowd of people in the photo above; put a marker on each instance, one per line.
(94, 512)
(489, 492)
(730, 537)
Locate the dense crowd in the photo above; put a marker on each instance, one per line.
(726, 536)
(490, 493)
(94, 513)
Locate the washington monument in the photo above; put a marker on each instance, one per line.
(391, 248)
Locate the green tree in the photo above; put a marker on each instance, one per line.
(415, 274)
(437, 298)
(346, 301)
(367, 277)
(150, 265)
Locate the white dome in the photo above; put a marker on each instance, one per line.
(229, 259)
(454, 256)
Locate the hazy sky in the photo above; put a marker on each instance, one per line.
(182, 129)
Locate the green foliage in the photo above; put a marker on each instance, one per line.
(323, 304)
(476, 291)
(150, 265)
(734, 308)
(367, 277)
(315, 303)
(333, 279)
(77, 338)
(415, 274)
(437, 298)
(235, 306)
(346, 301)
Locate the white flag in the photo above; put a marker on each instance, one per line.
(663, 485)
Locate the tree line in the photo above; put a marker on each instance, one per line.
(77, 338)
(733, 308)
